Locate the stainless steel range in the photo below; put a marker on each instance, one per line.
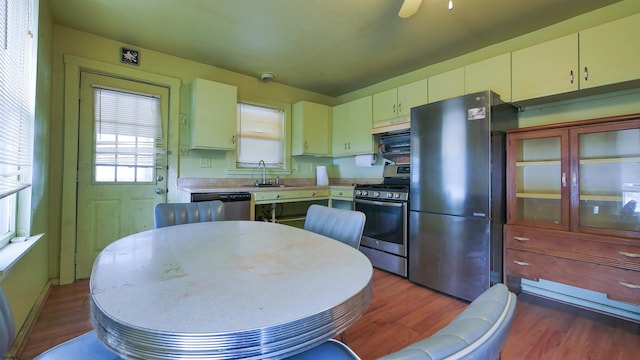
(384, 240)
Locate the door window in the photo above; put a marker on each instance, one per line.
(128, 133)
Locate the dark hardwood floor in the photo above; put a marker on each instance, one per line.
(402, 313)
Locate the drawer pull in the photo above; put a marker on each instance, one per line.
(521, 263)
(630, 286)
(520, 238)
(628, 254)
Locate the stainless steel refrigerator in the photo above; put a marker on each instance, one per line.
(457, 195)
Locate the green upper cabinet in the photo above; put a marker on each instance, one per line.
(385, 105)
(351, 128)
(397, 103)
(446, 85)
(214, 115)
(412, 95)
(545, 69)
(490, 74)
(610, 53)
(603, 55)
(311, 129)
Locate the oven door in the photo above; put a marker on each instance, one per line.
(386, 225)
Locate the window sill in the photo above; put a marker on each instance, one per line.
(10, 254)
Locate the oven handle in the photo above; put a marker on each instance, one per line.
(379, 203)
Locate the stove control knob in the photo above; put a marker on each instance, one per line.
(376, 194)
(396, 195)
(390, 195)
(364, 193)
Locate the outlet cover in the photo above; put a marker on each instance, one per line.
(205, 162)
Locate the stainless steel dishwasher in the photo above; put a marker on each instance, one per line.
(237, 205)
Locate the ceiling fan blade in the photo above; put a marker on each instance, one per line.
(409, 7)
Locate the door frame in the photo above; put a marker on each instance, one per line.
(73, 66)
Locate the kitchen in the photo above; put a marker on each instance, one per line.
(55, 259)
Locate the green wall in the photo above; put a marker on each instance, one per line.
(26, 280)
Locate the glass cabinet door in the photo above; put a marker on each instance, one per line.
(538, 185)
(608, 178)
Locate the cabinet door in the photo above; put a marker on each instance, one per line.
(537, 179)
(360, 124)
(412, 95)
(490, 74)
(310, 129)
(214, 115)
(446, 85)
(609, 53)
(545, 69)
(606, 187)
(339, 129)
(385, 105)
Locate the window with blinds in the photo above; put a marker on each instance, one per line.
(260, 136)
(129, 141)
(18, 52)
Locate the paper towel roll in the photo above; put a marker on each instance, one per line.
(322, 179)
(365, 160)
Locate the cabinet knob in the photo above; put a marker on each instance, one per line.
(571, 76)
(564, 179)
(586, 73)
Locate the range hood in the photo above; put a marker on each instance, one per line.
(391, 126)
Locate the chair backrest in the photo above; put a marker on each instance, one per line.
(7, 327)
(479, 332)
(343, 225)
(183, 213)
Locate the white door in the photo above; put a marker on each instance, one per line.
(121, 161)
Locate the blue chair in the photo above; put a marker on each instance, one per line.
(329, 350)
(86, 346)
(168, 214)
(343, 225)
(479, 332)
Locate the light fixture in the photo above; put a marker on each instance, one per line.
(266, 77)
(450, 4)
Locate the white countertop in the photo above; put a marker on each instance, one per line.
(227, 277)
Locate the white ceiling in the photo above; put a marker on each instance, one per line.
(327, 46)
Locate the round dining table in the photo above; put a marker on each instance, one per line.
(226, 290)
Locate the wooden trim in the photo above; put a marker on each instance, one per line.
(578, 123)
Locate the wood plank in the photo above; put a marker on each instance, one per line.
(401, 313)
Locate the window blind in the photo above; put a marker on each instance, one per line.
(17, 95)
(128, 130)
(260, 134)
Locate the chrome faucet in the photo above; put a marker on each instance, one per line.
(264, 171)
